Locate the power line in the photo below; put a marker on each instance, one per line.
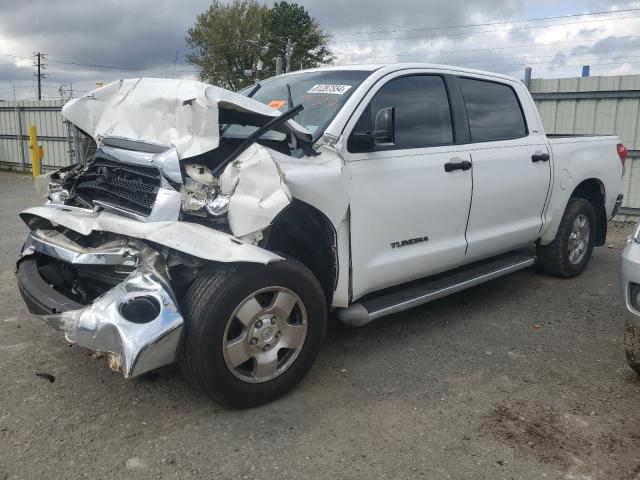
(548, 65)
(237, 43)
(573, 15)
(156, 68)
(91, 65)
(594, 52)
(475, 50)
(564, 67)
(523, 62)
(20, 85)
(129, 68)
(551, 65)
(461, 34)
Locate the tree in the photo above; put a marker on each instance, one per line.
(226, 40)
(291, 21)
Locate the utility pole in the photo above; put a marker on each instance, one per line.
(39, 77)
(288, 52)
(41, 66)
(174, 65)
(64, 91)
(278, 66)
(527, 78)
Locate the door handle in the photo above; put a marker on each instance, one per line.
(451, 166)
(540, 157)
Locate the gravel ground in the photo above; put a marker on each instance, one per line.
(521, 378)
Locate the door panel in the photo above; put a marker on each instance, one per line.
(509, 194)
(404, 196)
(509, 187)
(408, 213)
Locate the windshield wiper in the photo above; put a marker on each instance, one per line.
(289, 96)
(253, 91)
(270, 125)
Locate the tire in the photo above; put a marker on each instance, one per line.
(557, 258)
(632, 346)
(224, 325)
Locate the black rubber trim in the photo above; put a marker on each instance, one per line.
(39, 296)
(458, 110)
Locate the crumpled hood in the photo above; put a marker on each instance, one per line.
(181, 113)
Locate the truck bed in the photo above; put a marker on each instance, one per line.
(558, 136)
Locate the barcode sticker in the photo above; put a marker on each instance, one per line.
(328, 88)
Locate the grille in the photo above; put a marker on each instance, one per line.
(132, 187)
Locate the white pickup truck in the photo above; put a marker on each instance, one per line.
(219, 229)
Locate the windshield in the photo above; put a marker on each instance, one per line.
(321, 93)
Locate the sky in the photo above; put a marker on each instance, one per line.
(85, 41)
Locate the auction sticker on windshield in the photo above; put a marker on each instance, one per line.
(277, 104)
(328, 88)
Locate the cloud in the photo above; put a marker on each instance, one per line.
(624, 69)
(373, 15)
(145, 34)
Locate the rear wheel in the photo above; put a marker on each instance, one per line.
(569, 253)
(253, 331)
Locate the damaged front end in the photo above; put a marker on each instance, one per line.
(122, 234)
(136, 322)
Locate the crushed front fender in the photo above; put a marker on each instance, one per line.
(137, 322)
(190, 238)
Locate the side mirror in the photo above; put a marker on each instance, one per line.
(362, 139)
(361, 142)
(384, 126)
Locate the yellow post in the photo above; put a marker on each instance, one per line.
(35, 154)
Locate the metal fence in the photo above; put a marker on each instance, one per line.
(57, 137)
(599, 106)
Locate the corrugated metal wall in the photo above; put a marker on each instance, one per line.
(15, 119)
(600, 106)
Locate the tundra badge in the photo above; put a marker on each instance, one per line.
(411, 241)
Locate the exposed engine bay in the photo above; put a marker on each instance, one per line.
(148, 190)
(221, 148)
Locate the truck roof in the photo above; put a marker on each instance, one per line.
(391, 67)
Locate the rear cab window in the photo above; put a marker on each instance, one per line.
(493, 110)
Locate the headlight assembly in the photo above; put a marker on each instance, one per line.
(56, 193)
(202, 199)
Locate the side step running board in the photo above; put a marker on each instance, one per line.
(430, 289)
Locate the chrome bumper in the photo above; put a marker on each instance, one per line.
(137, 323)
(630, 274)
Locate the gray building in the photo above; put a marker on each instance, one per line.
(599, 106)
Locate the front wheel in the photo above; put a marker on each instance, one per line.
(253, 331)
(569, 253)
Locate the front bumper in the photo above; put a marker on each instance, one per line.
(630, 277)
(137, 323)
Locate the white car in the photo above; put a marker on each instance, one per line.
(219, 229)
(630, 280)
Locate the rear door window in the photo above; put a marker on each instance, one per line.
(493, 110)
